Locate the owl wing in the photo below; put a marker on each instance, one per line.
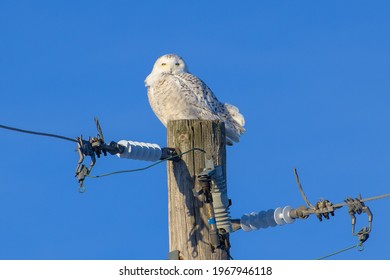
(210, 108)
(185, 96)
(180, 96)
(200, 96)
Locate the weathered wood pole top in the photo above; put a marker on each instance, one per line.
(188, 226)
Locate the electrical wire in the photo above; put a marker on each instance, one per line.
(358, 246)
(367, 199)
(146, 167)
(39, 133)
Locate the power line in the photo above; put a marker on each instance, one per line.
(370, 198)
(39, 133)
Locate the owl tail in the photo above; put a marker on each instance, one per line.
(234, 124)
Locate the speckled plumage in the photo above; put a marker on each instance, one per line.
(176, 94)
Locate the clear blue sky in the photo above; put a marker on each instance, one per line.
(311, 78)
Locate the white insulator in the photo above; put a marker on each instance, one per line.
(278, 216)
(221, 200)
(269, 217)
(286, 215)
(245, 222)
(263, 219)
(140, 150)
(256, 220)
(282, 215)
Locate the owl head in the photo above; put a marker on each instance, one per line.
(166, 64)
(170, 63)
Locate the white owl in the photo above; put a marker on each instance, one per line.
(175, 94)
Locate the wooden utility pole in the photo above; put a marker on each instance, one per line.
(188, 221)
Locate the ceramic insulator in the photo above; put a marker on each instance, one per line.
(263, 219)
(220, 200)
(140, 150)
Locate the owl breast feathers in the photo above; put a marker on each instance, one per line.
(175, 94)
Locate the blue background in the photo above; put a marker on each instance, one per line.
(311, 78)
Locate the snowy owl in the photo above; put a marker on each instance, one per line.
(175, 94)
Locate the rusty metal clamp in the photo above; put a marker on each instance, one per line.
(93, 147)
(323, 208)
(204, 180)
(357, 206)
(84, 148)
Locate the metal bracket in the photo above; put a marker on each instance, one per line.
(357, 206)
(224, 240)
(81, 172)
(93, 147)
(209, 169)
(174, 255)
(173, 154)
(204, 179)
(323, 208)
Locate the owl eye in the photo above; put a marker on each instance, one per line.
(177, 63)
(163, 64)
